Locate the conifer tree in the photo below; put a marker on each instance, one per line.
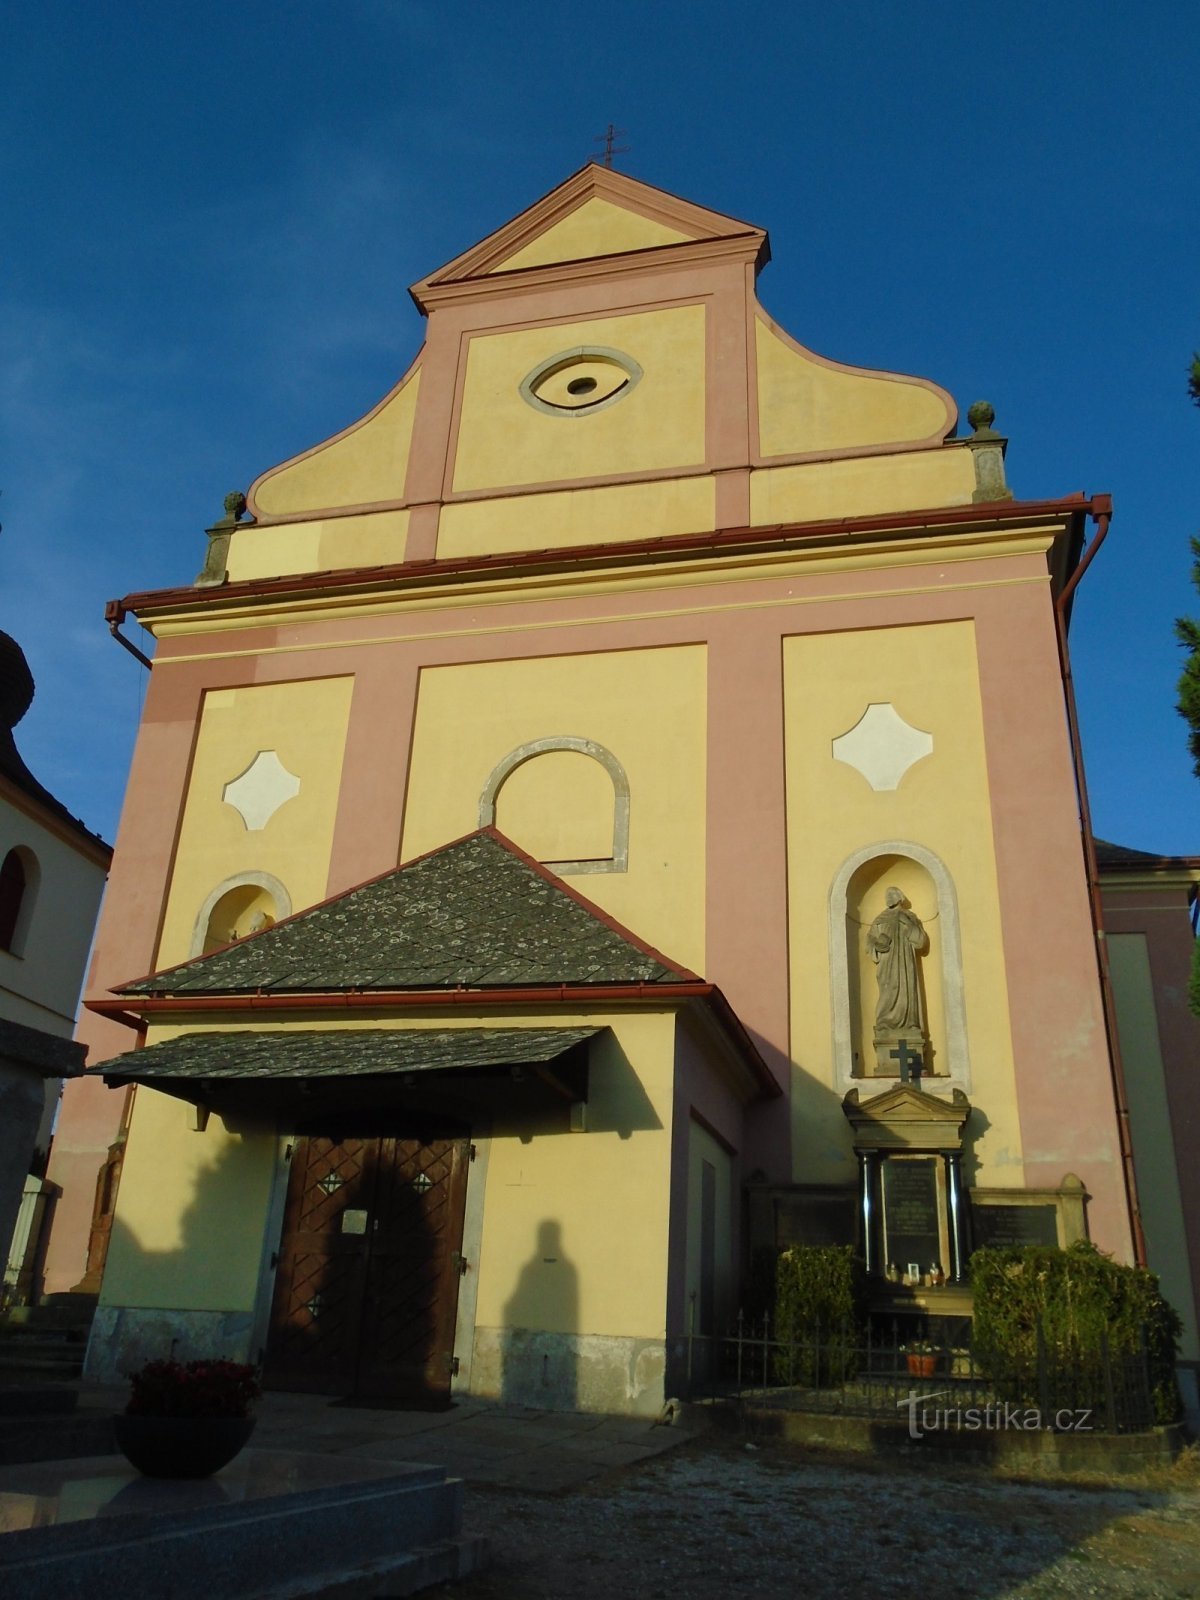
(1187, 631)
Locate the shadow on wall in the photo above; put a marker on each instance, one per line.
(617, 1102)
(173, 1302)
(361, 1301)
(542, 1319)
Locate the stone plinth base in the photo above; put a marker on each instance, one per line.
(569, 1372)
(124, 1338)
(886, 1066)
(274, 1523)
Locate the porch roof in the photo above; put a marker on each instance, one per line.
(219, 1054)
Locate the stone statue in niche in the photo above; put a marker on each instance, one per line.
(895, 940)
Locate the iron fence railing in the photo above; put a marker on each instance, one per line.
(877, 1372)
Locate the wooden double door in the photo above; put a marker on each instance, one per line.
(369, 1263)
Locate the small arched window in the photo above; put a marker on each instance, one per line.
(18, 879)
(570, 810)
(245, 903)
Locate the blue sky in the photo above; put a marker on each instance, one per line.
(212, 214)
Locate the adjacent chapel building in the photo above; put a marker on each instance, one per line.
(610, 810)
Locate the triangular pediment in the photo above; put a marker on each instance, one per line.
(905, 1117)
(476, 914)
(596, 214)
(597, 227)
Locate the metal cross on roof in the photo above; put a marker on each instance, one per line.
(611, 149)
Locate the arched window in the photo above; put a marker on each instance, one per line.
(564, 799)
(12, 893)
(18, 884)
(245, 903)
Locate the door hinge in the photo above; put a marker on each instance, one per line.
(472, 1152)
(274, 1259)
(461, 1264)
(452, 1365)
(288, 1152)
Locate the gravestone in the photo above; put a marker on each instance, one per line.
(912, 1213)
(1003, 1227)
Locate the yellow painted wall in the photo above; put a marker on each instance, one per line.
(208, 1194)
(596, 228)
(503, 441)
(614, 514)
(929, 673)
(648, 707)
(191, 1208)
(805, 405)
(370, 539)
(606, 1193)
(366, 464)
(861, 486)
(305, 724)
(1153, 1146)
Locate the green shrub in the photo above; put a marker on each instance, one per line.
(820, 1300)
(1079, 1298)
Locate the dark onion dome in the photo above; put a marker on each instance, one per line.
(16, 682)
(16, 696)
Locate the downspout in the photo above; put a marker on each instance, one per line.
(1102, 511)
(114, 615)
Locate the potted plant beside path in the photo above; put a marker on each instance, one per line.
(187, 1419)
(922, 1358)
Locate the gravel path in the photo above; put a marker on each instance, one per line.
(715, 1518)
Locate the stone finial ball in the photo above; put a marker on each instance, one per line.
(235, 504)
(16, 682)
(981, 415)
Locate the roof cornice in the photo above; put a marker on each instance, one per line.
(751, 247)
(56, 819)
(1005, 514)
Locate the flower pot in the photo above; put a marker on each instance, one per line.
(181, 1447)
(920, 1366)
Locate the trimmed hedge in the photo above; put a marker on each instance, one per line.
(820, 1302)
(1079, 1297)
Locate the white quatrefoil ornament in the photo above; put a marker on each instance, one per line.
(882, 746)
(259, 792)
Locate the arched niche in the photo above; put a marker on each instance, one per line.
(857, 896)
(242, 904)
(20, 878)
(565, 800)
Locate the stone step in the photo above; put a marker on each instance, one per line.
(65, 1361)
(61, 1437)
(70, 1313)
(22, 1335)
(37, 1400)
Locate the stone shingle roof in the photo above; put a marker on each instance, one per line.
(476, 914)
(359, 1052)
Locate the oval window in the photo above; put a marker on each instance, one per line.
(579, 381)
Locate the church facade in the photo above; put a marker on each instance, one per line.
(608, 811)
